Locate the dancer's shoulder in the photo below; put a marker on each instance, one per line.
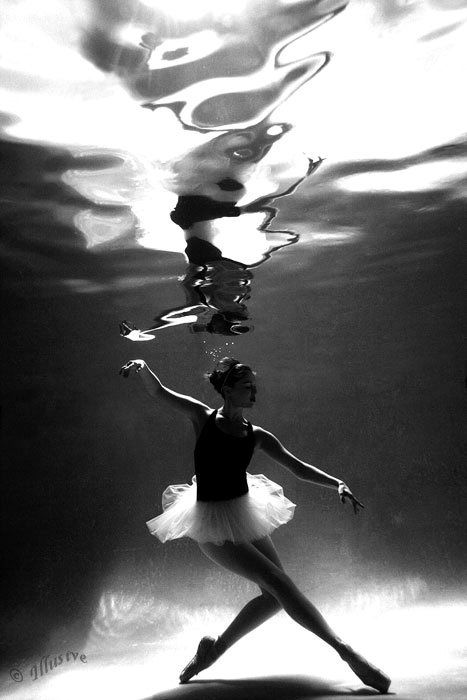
(201, 414)
(269, 443)
(261, 435)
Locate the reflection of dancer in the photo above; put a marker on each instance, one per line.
(231, 513)
(223, 287)
(210, 182)
(215, 294)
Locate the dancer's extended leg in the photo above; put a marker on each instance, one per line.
(246, 560)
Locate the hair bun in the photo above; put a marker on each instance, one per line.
(219, 375)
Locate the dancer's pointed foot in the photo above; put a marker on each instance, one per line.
(203, 658)
(368, 674)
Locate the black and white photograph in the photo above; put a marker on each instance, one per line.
(233, 392)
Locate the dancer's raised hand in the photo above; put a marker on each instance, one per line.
(345, 492)
(137, 365)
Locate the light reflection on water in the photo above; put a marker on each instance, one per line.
(235, 86)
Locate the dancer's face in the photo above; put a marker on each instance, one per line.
(243, 393)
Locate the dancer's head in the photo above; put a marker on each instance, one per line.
(234, 381)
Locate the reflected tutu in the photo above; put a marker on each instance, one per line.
(242, 519)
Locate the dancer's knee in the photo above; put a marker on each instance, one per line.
(274, 581)
(269, 598)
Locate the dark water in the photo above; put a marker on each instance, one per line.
(340, 280)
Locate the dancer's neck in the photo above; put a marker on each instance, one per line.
(234, 414)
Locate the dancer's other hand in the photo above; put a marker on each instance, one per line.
(345, 492)
(132, 333)
(126, 328)
(137, 365)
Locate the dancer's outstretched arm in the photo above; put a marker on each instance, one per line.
(194, 409)
(273, 447)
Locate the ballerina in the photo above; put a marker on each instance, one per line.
(231, 513)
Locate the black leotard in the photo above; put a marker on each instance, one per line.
(192, 208)
(221, 461)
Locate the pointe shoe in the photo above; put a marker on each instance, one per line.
(201, 660)
(368, 674)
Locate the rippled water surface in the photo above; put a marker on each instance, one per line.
(282, 182)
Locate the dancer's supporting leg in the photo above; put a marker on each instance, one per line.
(253, 614)
(256, 611)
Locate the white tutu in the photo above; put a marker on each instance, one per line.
(242, 519)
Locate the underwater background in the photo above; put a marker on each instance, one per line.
(316, 154)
